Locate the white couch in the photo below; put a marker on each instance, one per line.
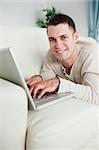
(67, 125)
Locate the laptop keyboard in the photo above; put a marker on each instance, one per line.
(50, 97)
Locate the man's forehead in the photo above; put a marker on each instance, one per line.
(58, 30)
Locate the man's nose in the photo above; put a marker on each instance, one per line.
(58, 44)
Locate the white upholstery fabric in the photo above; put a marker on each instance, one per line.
(93, 145)
(29, 45)
(13, 116)
(68, 125)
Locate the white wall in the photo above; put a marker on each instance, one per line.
(25, 12)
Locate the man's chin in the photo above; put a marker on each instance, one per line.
(60, 59)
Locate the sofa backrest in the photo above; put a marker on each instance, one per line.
(29, 44)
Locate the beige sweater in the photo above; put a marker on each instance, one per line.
(83, 80)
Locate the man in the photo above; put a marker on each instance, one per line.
(70, 65)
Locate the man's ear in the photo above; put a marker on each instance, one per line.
(76, 37)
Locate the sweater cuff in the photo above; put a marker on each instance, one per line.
(65, 86)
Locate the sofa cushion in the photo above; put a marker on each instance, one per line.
(69, 124)
(13, 116)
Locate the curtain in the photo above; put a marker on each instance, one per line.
(94, 19)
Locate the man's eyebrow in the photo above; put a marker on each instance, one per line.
(63, 35)
(51, 38)
(59, 36)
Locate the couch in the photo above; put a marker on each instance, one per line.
(68, 125)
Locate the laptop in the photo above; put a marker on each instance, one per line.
(10, 70)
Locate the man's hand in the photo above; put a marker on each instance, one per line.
(33, 81)
(42, 87)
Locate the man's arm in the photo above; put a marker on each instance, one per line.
(88, 90)
(80, 91)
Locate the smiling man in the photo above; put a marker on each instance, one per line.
(70, 64)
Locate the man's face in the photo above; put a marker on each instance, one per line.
(62, 41)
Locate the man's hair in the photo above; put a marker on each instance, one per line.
(62, 19)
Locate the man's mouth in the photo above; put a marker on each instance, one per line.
(61, 51)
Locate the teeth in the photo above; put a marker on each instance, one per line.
(61, 51)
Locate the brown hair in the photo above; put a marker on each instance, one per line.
(62, 18)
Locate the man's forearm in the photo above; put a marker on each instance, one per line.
(80, 91)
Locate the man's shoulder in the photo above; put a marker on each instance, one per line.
(87, 44)
(87, 41)
(88, 48)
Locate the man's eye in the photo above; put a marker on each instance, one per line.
(52, 40)
(64, 37)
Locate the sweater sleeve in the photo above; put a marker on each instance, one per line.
(80, 91)
(88, 90)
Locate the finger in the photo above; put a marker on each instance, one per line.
(29, 81)
(31, 89)
(41, 94)
(37, 88)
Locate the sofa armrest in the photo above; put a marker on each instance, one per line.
(13, 116)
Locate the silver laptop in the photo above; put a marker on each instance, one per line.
(9, 70)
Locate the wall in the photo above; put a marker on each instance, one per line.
(25, 12)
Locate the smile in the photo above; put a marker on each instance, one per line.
(61, 51)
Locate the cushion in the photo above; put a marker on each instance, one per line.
(70, 124)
